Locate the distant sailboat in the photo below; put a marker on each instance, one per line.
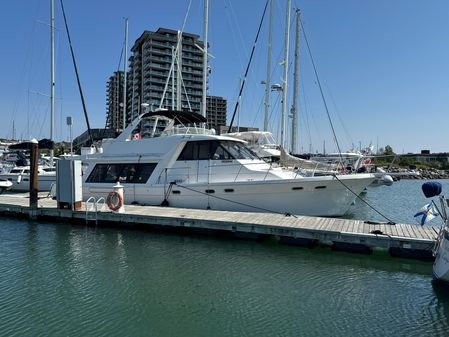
(19, 175)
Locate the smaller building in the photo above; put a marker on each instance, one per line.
(216, 109)
(114, 101)
(427, 157)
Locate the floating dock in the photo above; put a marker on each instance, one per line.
(402, 240)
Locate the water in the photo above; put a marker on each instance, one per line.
(398, 202)
(63, 280)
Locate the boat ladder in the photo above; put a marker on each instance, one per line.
(92, 206)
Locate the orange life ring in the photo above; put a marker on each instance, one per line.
(114, 201)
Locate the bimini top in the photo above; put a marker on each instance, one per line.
(179, 117)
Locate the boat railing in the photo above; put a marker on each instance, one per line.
(207, 173)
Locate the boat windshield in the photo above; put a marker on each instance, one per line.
(216, 150)
(150, 127)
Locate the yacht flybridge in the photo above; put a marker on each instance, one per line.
(161, 161)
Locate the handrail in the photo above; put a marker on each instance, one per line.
(91, 204)
(262, 174)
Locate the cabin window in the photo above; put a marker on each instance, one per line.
(238, 150)
(215, 150)
(131, 173)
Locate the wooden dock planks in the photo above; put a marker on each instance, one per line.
(374, 235)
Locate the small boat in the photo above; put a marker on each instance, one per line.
(19, 178)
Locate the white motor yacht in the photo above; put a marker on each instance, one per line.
(205, 171)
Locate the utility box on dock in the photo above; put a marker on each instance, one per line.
(69, 185)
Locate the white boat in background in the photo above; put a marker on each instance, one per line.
(260, 142)
(5, 185)
(205, 171)
(19, 177)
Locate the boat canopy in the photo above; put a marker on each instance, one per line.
(179, 117)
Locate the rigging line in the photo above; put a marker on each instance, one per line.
(120, 59)
(247, 67)
(175, 56)
(321, 91)
(234, 26)
(77, 75)
(186, 16)
(390, 222)
(235, 202)
(340, 119)
(305, 109)
(25, 71)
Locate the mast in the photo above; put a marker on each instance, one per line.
(268, 80)
(125, 71)
(179, 72)
(285, 77)
(52, 75)
(206, 25)
(294, 109)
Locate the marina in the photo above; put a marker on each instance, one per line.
(274, 168)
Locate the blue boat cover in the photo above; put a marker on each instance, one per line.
(431, 189)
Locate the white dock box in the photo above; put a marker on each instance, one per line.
(69, 184)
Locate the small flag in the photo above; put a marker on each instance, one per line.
(426, 213)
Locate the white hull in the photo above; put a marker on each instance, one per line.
(440, 269)
(323, 196)
(21, 183)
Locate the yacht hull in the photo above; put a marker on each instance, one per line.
(323, 196)
(440, 269)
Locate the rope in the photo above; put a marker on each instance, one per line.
(247, 68)
(322, 93)
(390, 222)
(235, 202)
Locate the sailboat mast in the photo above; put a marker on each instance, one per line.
(295, 84)
(52, 74)
(284, 80)
(179, 72)
(125, 72)
(268, 80)
(206, 29)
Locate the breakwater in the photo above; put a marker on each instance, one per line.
(432, 173)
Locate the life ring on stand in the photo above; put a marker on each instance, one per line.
(114, 201)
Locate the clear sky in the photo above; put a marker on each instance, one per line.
(383, 65)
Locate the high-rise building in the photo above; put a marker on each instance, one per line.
(150, 79)
(216, 112)
(114, 101)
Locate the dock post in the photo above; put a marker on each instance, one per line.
(33, 178)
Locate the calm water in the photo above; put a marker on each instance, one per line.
(398, 202)
(62, 280)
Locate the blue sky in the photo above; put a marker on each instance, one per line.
(384, 65)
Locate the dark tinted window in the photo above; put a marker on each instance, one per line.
(124, 173)
(216, 150)
(204, 150)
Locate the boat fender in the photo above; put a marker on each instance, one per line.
(431, 189)
(114, 201)
(19, 179)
